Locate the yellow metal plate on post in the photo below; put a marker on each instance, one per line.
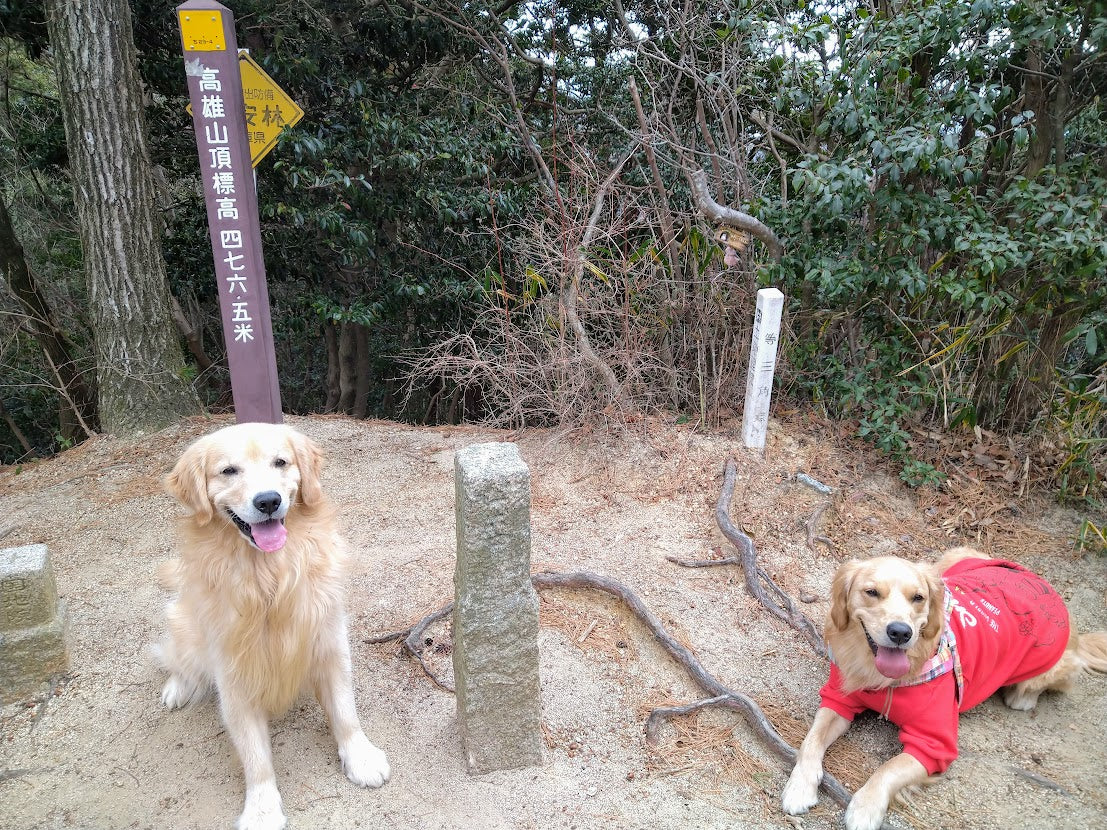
(268, 108)
(202, 31)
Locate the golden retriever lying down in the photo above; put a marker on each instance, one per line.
(257, 612)
(921, 643)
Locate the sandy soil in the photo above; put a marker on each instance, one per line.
(98, 751)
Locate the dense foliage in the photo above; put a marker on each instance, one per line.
(486, 212)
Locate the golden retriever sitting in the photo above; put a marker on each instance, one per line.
(922, 643)
(257, 612)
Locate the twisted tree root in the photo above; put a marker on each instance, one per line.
(785, 608)
(720, 694)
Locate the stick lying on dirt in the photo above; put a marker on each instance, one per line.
(721, 695)
(413, 640)
(786, 608)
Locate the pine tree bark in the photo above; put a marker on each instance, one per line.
(139, 359)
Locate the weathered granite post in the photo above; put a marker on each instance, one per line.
(495, 617)
(32, 622)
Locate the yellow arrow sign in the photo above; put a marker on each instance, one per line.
(268, 108)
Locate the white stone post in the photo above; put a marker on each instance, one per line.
(759, 380)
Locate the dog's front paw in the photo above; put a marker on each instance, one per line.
(363, 763)
(1019, 698)
(263, 809)
(801, 793)
(177, 693)
(866, 810)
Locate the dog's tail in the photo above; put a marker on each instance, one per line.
(1091, 650)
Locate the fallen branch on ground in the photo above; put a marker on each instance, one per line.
(721, 695)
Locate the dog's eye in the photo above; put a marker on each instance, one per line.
(872, 592)
(917, 598)
(229, 471)
(280, 462)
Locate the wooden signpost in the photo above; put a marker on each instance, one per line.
(219, 119)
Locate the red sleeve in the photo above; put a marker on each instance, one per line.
(928, 723)
(926, 715)
(848, 706)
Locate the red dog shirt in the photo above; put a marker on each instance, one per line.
(1004, 624)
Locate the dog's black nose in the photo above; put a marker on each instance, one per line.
(899, 633)
(268, 502)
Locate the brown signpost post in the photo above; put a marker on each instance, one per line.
(219, 118)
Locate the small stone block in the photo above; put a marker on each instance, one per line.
(495, 619)
(28, 595)
(31, 656)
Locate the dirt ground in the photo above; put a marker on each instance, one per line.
(98, 751)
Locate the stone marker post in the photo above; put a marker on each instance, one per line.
(32, 622)
(495, 617)
(759, 379)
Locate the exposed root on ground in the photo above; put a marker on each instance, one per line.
(413, 641)
(721, 696)
(812, 525)
(757, 580)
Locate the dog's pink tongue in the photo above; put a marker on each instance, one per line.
(270, 535)
(892, 662)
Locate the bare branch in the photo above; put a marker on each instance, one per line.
(729, 216)
(572, 288)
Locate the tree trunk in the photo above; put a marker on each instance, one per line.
(334, 374)
(1036, 97)
(347, 368)
(77, 405)
(361, 383)
(139, 360)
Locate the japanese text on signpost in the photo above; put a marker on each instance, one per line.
(215, 89)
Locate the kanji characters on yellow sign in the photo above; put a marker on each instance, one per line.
(268, 108)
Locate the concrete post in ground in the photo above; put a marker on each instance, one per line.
(495, 618)
(759, 378)
(32, 622)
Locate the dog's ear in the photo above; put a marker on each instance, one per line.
(936, 607)
(188, 484)
(839, 594)
(309, 460)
